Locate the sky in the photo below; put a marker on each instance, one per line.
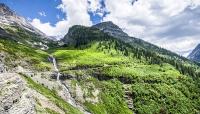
(170, 24)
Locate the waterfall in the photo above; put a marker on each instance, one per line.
(56, 68)
(70, 99)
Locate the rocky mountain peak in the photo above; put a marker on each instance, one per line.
(112, 29)
(195, 54)
(9, 17)
(5, 10)
(106, 25)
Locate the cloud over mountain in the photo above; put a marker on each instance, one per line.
(170, 24)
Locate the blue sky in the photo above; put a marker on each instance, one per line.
(174, 26)
(32, 9)
(51, 17)
(45, 10)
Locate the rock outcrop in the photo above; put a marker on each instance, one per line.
(195, 54)
(15, 96)
(9, 17)
(3, 67)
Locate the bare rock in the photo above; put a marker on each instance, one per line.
(15, 96)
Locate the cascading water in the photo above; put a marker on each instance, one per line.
(56, 68)
(70, 99)
(68, 94)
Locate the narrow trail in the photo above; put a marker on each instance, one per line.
(70, 99)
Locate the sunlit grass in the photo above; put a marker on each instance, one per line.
(87, 58)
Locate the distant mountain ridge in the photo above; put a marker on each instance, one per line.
(112, 29)
(18, 29)
(195, 54)
(115, 31)
(9, 17)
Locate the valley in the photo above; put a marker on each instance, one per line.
(92, 70)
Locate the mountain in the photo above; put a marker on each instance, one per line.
(22, 56)
(99, 70)
(195, 54)
(116, 32)
(112, 29)
(138, 76)
(17, 28)
(9, 17)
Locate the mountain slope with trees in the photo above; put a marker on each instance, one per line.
(195, 54)
(101, 68)
(145, 81)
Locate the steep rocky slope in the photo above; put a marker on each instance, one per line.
(26, 83)
(195, 54)
(9, 17)
(23, 66)
(15, 96)
(17, 28)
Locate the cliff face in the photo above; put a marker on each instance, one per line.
(10, 18)
(15, 96)
(18, 29)
(195, 54)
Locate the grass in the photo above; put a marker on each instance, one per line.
(36, 58)
(72, 58)
(51, 111)
(153, 98)
(141, 70)
(52, 95)
(155, 88)
(111, 97)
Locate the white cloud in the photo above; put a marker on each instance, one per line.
(42, 13)
(183, 45)
(171, 24)
(76, 14)
(58, 30)
(163, 22)
(95, 7)
(76, 11)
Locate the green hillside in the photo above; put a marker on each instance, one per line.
(114, 76)
(17, 54)
(156, 84)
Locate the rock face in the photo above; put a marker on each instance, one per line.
(9, 17)
(15, 96)
(115, 31)
(111, 29)
(195, 54)
(17, 28)
(3, 67)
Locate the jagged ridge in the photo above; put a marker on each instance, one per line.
(195, 54)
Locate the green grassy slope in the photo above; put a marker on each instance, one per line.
(156, 84)
(17, 54)
(155, 88)
(53, 96)
(18, 34)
